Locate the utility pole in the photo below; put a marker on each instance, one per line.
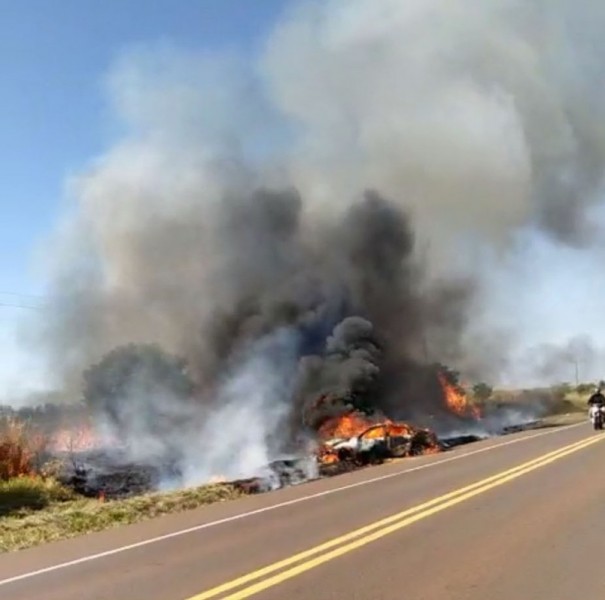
(576, 370)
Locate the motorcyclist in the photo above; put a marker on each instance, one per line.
(597, 399)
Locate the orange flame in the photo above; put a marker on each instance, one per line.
(346, 426)
(456, 399)
(327, 456)
(355, 424)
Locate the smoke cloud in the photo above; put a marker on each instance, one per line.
(308, 226)
(486, 117)
(568, 362)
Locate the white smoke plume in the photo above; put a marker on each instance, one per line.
(242, 433)
(482, 116)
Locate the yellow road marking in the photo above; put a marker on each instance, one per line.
(383, 527)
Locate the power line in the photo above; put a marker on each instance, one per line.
(24, 306)
(21, 295)
(20, 300)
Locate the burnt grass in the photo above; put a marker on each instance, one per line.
(108, 475)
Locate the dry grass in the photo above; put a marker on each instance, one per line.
(556, 400)
(35, 508)
(577, 401)
(65, 518)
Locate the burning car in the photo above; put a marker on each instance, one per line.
(356, 440)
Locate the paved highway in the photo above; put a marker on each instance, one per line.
(507, 519)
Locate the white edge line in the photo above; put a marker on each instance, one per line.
(265, 509)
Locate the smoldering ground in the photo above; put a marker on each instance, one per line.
(231, 219)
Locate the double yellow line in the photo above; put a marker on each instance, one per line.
(281, 571)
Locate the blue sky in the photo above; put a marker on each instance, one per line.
(53, 115)
(53, 111)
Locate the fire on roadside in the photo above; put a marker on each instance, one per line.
(353, 437)
(20, 449)
(456, 400)
(75, 439)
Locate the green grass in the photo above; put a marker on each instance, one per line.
(21, 495)
(58, 516)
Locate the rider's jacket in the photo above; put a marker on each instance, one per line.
(597, 399)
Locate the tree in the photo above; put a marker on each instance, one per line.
(482, 391)
(585, 388)
(451, 375)
(137, 383)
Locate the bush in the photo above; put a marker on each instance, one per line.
(27, 493)
(482, 392)
(21, 449)
(585, 388)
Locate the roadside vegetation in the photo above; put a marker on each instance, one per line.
(35, 507)
(51, 512)
(560, 399)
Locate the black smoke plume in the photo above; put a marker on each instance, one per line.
(317, 324)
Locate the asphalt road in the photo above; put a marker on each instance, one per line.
(508, 519)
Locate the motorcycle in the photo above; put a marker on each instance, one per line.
(597, 416)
